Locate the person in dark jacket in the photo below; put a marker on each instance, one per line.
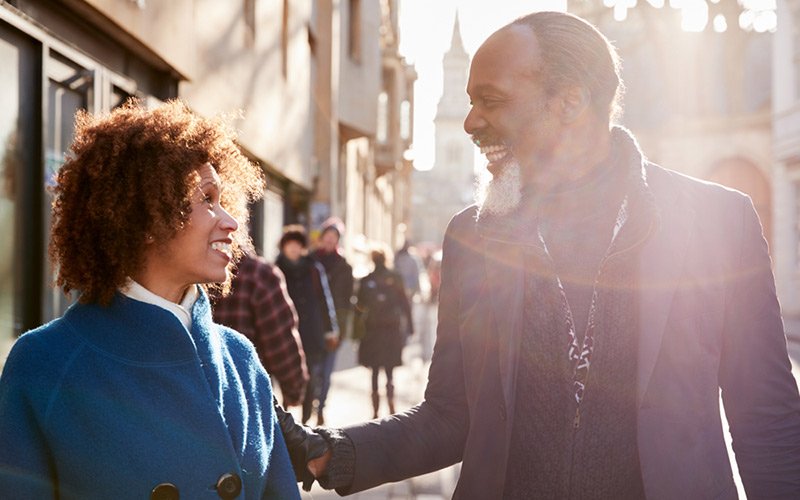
(340, 279)
(135, 392)
(593, 307)
(381, 308)
(308, 288)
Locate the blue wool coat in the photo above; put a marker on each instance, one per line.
(108, 402)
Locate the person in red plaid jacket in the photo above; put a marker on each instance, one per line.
(260, 308)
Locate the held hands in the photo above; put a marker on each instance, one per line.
(308, 450)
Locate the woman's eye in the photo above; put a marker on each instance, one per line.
(209, 199)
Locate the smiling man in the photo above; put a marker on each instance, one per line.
(592, 306)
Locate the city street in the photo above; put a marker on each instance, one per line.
(349, 402)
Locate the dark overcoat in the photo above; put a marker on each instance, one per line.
(709, 320)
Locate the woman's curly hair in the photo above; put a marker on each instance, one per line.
(128, 177)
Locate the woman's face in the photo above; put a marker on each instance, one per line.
(292, 250)
(201, 251)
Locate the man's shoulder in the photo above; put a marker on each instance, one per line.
(669, 186)
(464, 220)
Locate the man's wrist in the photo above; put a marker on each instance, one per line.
(340, 470)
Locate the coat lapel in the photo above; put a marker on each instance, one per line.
(660, 273)
(505, 275)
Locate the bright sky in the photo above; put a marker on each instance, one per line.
(426, 28)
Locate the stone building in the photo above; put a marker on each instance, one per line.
(312, 79)
(448, 187)
(786, 167)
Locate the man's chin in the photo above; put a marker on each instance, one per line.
(499, 192)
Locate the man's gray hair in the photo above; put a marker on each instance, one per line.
(575, 52)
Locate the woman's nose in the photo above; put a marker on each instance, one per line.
(226, 221)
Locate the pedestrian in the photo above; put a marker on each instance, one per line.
(380, 310)
(309, 291)
(409, 266)
(592, 306)
(259, 307)
(340, 280)
(135, 392)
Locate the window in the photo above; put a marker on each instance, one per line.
(285, 40)
(382, 133)
(405, 120)
(354, 30)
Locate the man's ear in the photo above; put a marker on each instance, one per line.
(573, 102)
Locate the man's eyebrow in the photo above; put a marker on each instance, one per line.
(484, 87)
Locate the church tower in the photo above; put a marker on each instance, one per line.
(454, 161)
(448, 187)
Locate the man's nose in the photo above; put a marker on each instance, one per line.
(473, 122)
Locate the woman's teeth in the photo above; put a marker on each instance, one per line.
(222, 247)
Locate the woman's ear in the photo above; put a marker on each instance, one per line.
(574, 101)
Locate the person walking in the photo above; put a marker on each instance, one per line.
(340, 280)
(593, 306)
(308, 288)
(381, 308)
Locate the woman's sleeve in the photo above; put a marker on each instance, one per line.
(25, 462)
(281, 482)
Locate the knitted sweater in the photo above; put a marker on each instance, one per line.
(109, 402)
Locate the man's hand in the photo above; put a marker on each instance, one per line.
(304, 446)
(318, 465)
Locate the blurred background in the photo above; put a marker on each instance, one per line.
(354, 109)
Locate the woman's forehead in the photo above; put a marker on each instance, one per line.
(206, 174)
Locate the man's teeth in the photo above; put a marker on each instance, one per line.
(494, 152)
(221, 246)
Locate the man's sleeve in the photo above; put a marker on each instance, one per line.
(758, 390)
(431, 435)
(276, 336)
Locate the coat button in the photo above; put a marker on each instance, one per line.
(229, 486)
(165, 491)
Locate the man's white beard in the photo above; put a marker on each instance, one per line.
(501, 194)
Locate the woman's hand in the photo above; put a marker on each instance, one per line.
(305, 447)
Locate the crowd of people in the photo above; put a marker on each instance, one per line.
(298, 310)
(592, 308)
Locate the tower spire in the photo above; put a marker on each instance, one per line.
(457, 44)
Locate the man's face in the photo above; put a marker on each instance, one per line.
(510, 116)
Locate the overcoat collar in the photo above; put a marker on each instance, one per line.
(507, 240)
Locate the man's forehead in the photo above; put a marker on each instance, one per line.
(512, 48)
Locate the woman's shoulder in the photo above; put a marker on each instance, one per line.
(41, 353)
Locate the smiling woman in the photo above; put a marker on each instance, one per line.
(134, 182)
(149, 211)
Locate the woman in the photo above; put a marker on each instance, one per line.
(382, 304)
(308, 289)
(135, 392)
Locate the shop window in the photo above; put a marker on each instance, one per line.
(354, 30)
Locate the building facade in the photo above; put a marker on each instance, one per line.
(302, 81)
(448, 187)
(786, 175)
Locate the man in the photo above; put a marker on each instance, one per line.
(592, 306)
(259, 307)
(340, 282)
